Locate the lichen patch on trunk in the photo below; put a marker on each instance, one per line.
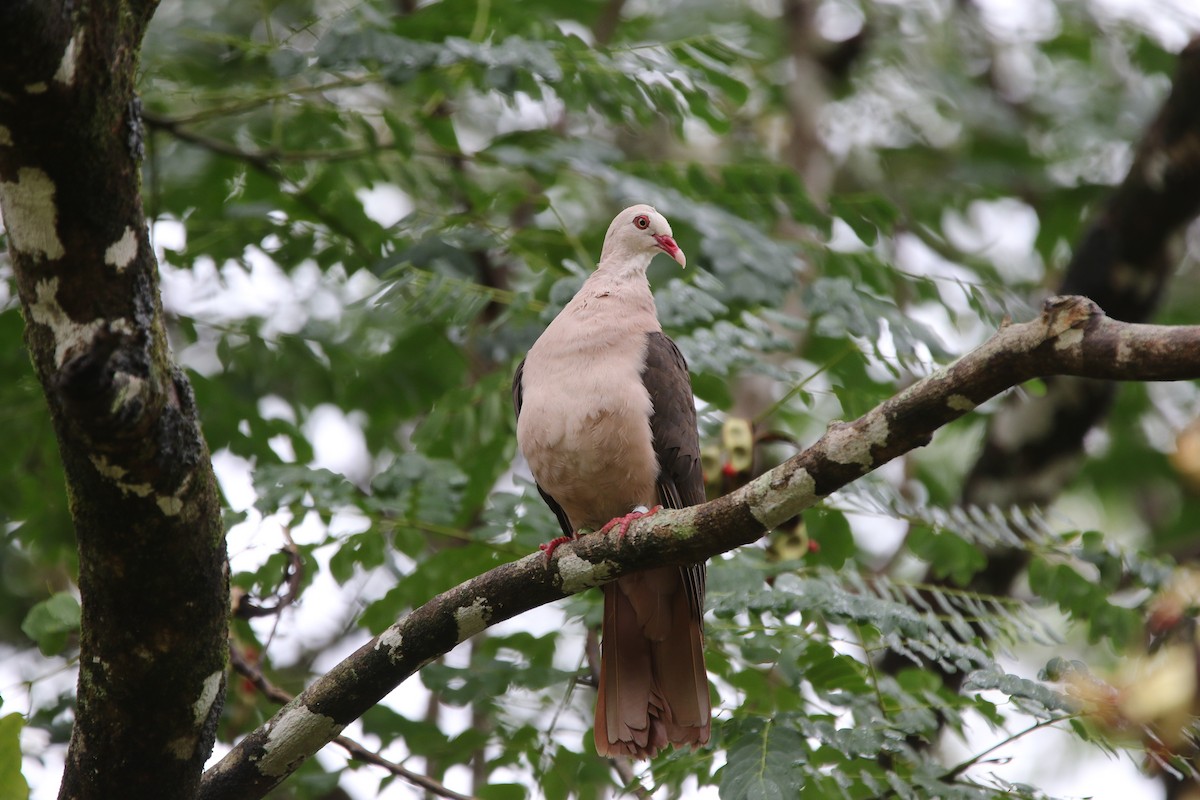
(120, 254)
(208, 694)
(30, 214)
(116, 473)
(69, 335)
(66, 68)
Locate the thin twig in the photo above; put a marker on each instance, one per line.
(258, 101)
(245, 607)
(963, 766)
(263, 158)
(266, 162)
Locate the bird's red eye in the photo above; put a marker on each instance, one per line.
(642, 221)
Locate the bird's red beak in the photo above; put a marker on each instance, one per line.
(668, 246)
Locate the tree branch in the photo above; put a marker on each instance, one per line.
(1071, 337)
(606, 24)
(1034, 444)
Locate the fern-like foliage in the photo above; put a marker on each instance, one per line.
(989, 527)
(1081, 572)
(807, 642)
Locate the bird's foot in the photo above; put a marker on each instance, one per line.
(549, 547)
(622, 523)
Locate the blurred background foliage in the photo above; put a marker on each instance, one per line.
(365, 213)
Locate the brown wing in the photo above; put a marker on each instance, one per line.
(676, 441)
(563, 522)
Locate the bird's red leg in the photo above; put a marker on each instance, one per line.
(549, 547)
(622, 523)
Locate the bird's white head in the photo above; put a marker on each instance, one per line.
(636, 235)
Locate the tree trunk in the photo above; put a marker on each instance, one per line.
(143, 498)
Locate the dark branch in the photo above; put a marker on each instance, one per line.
(607, 22)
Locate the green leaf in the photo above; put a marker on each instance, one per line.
(440, 128)
(51, 622)
(362, 550)
(830, 532)
(1040, 697)
(13, 785)
(502, 791)
(829, 671)
(949, 555)
(763, 763)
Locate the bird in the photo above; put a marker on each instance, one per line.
(607, 423)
